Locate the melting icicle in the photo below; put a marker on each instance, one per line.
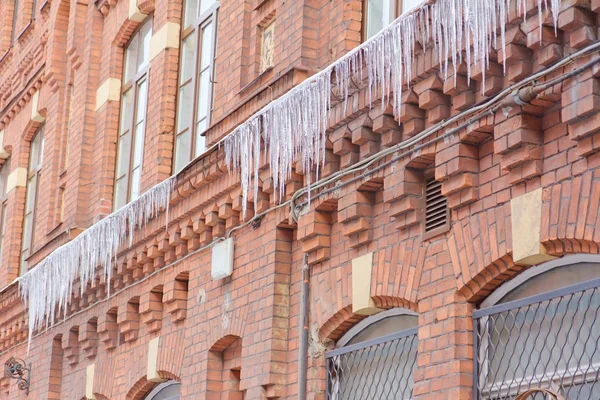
(293, 126)
(48, 288)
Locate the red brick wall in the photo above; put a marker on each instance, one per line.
(251, 321)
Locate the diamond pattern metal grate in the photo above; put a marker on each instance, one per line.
(381, 368)
(548, 341)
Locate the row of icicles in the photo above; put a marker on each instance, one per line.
(291, 126)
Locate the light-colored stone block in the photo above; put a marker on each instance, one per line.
(109, 91)
(167, 37)
(17, 178)
(526, 220)
(89, 382)
(152, 372)
(35, 114)
(362, 303)
(134, 12)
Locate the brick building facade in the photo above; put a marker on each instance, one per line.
(102, 100)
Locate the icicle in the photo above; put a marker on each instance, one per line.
(48, 288)
(289, 129)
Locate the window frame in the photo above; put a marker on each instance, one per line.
(494, 304)
(195, 27)
(13, 33)
(133, 83)
(394, 7)
(159, 388)
(343, 346)
(4, 173)
(33, 172)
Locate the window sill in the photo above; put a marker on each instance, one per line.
(255, 80)
(44, 5)
(259, 4)
(3, 56)
(24, 30)
(56, 227)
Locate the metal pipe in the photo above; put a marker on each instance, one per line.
(303, 349)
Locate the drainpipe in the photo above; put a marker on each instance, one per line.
(303, 350)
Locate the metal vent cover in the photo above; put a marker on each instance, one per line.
(436, 206)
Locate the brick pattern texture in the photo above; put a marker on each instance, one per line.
(239, 337)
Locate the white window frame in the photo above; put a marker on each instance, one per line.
(391, 9)
(126, 188)
(195, 145)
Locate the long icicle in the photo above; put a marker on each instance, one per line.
(289, 129)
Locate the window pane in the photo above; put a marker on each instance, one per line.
(186, 104)
(200, 140)
(191, 7)
(131, 59)
(30, 197)
(182, 146)
(37, 148)
(123, 154)
(407, 5)
(4, 178)
(203, 94)
(144, 53)
(374, 17)
(135, 183)
(138, 144)
(205, 5)
(207, 45)
(120, 193)
(2, 228)
(27, 225)
(126, 111)
(187, 54)
(142, 100)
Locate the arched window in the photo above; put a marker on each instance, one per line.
(375, 359)
(542, 330)
(165, 391)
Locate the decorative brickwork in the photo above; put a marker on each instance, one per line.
(161, 316)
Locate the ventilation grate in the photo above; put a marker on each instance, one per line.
(436, 206)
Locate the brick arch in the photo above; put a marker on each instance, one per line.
(341, 322)
(481, 245)
(235, 326)
(564, 246)
(480, 250)
(143, 386)
(571, 216)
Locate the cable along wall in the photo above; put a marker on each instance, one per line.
(291, 126)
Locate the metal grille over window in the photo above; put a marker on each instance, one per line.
(436, 206)
(546, 341)
(380, 368)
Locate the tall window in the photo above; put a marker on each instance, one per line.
(380, 13)
(4, 171)
(375, 359)
(132, 127)
(13, 32)
(195, 79)
(541, 330)
(36, 154)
